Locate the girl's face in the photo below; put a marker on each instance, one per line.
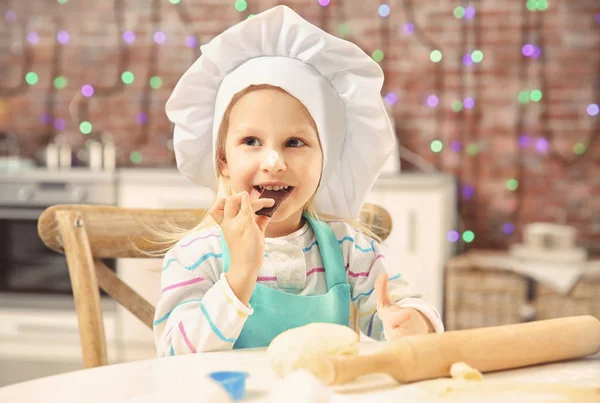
(264, 122)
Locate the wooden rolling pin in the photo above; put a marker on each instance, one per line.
(417, 358)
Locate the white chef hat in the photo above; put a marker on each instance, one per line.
(338, 83)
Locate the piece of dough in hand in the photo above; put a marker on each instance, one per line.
(296, 348)
(461, 370)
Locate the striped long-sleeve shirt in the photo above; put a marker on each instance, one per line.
(197, 310)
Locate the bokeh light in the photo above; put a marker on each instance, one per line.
(433, 101)
(512, 184)
(60, 82)
(436, 56)
(31, 78)
(384, 10)
(468, 236)
(33, 38)
(391, 98)
(63, 37)
(129, 37)
(87, 90)
(127, 77)
(453, 236)
(592, 109)
(85, 127)
(436, 146)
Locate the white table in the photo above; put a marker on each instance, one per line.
(177, 379)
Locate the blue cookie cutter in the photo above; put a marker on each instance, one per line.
(233, 382)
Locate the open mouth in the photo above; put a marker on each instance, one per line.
(277, 193)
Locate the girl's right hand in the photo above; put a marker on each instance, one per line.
(244, 231)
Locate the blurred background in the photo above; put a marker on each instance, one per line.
(495, 105)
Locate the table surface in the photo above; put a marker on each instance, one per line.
(178, 378)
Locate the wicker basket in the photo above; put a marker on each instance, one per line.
(477, 295)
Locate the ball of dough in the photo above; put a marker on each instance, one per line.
(295, 348)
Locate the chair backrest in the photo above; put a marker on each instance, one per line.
(88, 233)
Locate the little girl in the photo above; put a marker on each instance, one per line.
(277, 108)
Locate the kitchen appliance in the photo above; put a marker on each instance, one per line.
(36, 304)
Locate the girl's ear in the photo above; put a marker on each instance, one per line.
(222, 162)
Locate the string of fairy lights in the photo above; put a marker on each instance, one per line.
(471, 54)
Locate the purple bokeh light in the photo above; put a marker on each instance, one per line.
(527, 50)
(456, 146)
(524, 141)
(87, 90)
(63, 37)
(542, 145)
(10, 16)
(46, 119)
(469, 102)
(453, 236)
(467, 60)
(469, 12)
(391, 98)
(60, 124)
(409, 28)
(508, 228)
(592, 109)
(191, 41)
(468, 192)
(160, 37)
(433, 101)
(33, 38)
(142, 118)
(324, 3)
(129, 37)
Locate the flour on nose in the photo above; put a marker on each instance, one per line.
(272, 158)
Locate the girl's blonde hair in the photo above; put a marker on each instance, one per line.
(165, 239)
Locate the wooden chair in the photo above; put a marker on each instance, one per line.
(88, 233)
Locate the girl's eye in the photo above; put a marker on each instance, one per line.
(251, 141)
(295, 143)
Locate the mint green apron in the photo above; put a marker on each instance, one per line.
(276, 311)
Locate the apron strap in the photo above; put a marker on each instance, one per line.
(331, 253)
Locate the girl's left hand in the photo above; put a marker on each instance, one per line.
(397, 321)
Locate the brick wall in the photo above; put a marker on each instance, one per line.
(485, 144)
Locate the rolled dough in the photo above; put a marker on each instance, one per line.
(296, 348)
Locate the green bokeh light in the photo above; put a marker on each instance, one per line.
(62, 1)
(477, 56)
(457, 106)
(155, 82)
(378, 55)
(136, 157)
(472, 149)
(523, 97)
(343, 30)
(512, 184)
(32, 78)
(240, 5)
(535, 95)
(579, 148)
(459, 12)
(85, 127)
(60, 82)
(127, 77)
(468, 236)
(437, 146)
(436, 56)
(175, 1)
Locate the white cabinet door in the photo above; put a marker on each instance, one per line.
(422, 215)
